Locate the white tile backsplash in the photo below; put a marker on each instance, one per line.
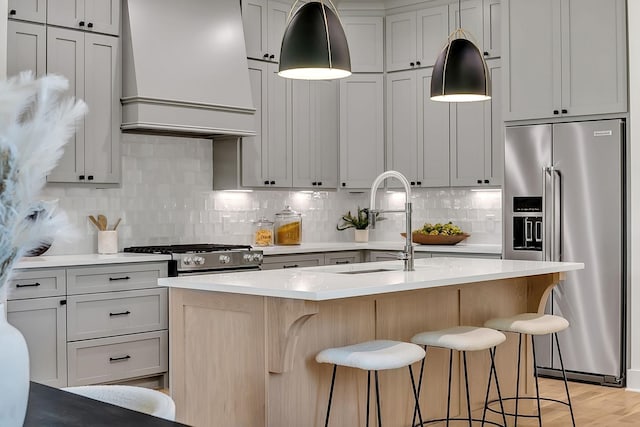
(166, 197)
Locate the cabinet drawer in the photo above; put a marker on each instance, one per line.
(117, 358)
(350, 257)
(116, 313)
(275, 262)
(37, 283)
(121, 277)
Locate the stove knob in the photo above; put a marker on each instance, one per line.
(198, 260)
(187, 261)
(257, 257)
(247, 257)
(224, 259)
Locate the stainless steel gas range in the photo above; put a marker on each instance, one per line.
(207, 258)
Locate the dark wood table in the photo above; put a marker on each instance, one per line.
(52, 407)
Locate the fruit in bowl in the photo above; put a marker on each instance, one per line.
(438, 234)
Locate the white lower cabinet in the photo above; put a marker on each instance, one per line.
(92, 324)
(347, 257)
(43, 323)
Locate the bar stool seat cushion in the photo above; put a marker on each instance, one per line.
(373, 355)
(529, 323)
(461, 338)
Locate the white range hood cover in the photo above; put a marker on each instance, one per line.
(185, 69)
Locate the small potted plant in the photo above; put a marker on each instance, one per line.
(360, 222)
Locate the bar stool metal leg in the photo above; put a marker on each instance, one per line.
(449, 388)
(466, 386)
(378, 399)
(368, 394)
(564, 376)
(333, 380)
(495, 373)
(415, 410)
(515, 423)
(415, 395)
(535, 374)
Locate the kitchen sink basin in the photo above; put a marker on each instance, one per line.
(374, 270)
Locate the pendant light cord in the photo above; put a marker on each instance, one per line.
(460, 14)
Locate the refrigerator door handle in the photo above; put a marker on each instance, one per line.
(556, 243)
(545, 217)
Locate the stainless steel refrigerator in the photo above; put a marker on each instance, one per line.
(564, 201)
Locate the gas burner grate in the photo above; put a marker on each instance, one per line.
(183, 249)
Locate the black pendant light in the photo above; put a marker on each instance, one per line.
(460, 73)
(314, 46)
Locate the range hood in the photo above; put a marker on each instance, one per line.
(185, 69)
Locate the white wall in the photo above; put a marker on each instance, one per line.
(3, 38)
(633, 13)
(166, 197)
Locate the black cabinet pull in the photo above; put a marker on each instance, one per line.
(272, 183)
(413, 183)
(344, 184)
(12, 12)
(564, 111)
(290, 266)
(81, 177)
(479, 181)
(418, 63)
(265, 56)
(115, 279)
(556, 112)
(119, 359)
(81, 23)
(419, 182)
(314, 183)
(122, 313)
(63, 302)
(486, 181)
(90, 177)
(266, 182)
(272, 56)
(320, 183)
(28, 285)
(411, 64)
(90, 25)
(486, 53)
(346, 261)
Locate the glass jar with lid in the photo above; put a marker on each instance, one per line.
(288, 227)
(263, 232)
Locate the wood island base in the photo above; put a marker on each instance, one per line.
(245, 360)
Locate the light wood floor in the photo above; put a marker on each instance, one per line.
(592, 406)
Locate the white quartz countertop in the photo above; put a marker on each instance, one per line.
(379, 246)
(331, 282)
(88, 259)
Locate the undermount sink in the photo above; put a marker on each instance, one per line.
(374, 270)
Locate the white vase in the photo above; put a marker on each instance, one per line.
(362, 236)
(14, 374)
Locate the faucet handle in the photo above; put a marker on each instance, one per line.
(403, 256)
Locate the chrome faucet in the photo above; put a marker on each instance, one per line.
(407, 254)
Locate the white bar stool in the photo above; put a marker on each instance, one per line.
(139, 399)
(463, 339)
(370, 356)
(533, 324)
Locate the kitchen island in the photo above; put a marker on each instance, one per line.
(243, 345)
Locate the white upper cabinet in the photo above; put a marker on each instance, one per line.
(361, 130)
(492, 28)
(477, 135)
(414, 39)
(26, 48)
(264, 24)
(366, 44)
(91, 64)
(580, 58)
(100, 16)
(28, 10)
(315, 134)
(267, 157)
(417, 130)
